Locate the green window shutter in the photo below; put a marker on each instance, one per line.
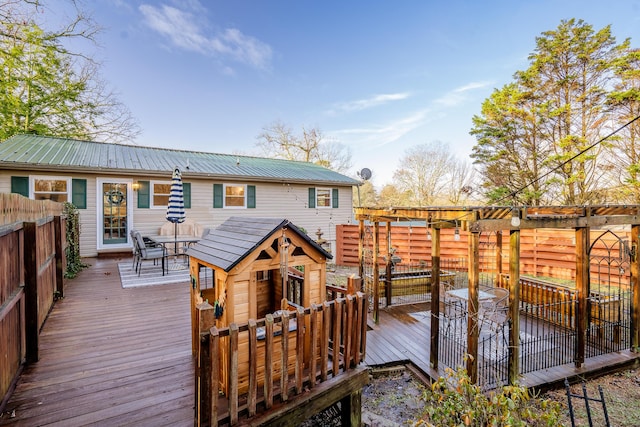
(251, 196)
(334, 197)
(79, 193)
(186, 193)
(20, 185)
(312, 197)
(217, 196)
(143, 194)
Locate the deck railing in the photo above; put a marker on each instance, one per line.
(556, 304)
(250, 369)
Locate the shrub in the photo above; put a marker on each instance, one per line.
(74, 261)
(453, 400)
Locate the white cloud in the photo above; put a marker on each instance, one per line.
(377, 136)
(374, 101)
(458, 95)
(186, 30)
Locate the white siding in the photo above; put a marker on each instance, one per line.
(289, 201)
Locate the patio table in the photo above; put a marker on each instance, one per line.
(179, 241)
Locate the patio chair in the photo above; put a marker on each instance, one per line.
(147, 253)
(136, 252)
(494, 312)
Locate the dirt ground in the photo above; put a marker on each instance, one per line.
(392, 398)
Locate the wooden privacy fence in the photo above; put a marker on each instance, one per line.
(277, 374)
(543, 252)
(32, 264)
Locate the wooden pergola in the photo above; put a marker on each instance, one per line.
(476, 220)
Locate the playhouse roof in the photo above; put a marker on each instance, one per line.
(229, 243)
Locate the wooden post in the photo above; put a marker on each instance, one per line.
(313, 361)
(31, 291)
(582, 290)
(324, 340)
(388, 283)
(361, 248)
(348, 334)
(435, 298)
(268, 361)
(498, 258)
(337, 327)
(233, 372)
(351, 409)
(354, 284)
(252, 394)
(214, 352)
(205, 320)
(514, 306)
(300, 333)
(284, 356)
(376, 273)
(60, 237)
(472, 306)
(635, 289)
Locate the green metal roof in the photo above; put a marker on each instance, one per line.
(49, 153)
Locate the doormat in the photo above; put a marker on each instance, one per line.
(150, 275)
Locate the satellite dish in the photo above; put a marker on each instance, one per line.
(365, 173)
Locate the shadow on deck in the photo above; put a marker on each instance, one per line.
(403, 336)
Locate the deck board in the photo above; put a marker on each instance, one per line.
(407, 340)
(110, 356)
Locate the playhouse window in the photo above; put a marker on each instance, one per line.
(295, 287)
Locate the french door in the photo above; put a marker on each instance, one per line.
(114, 212)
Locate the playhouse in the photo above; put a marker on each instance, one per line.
(247, 267)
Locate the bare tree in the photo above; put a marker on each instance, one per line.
(279, 141)
(461, 182)
(424, 173)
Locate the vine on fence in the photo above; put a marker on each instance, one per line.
(74, 261)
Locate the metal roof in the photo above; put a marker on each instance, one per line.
(51, 153)
(229, 243)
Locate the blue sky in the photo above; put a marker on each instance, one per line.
(376, 76)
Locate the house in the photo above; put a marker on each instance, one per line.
(254, 263)
(119, 187)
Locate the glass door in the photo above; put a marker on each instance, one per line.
(113, 203)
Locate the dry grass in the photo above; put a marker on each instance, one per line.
(621, 393)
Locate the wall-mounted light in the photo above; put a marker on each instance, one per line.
(135, 186)
(456, 234)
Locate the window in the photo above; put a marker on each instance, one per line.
(160, 194)
(323, 198)
(234, 196)
(51, 188)
(295, 286)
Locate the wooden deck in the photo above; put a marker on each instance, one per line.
(110, 356)
(401, 338)
(113, 356)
